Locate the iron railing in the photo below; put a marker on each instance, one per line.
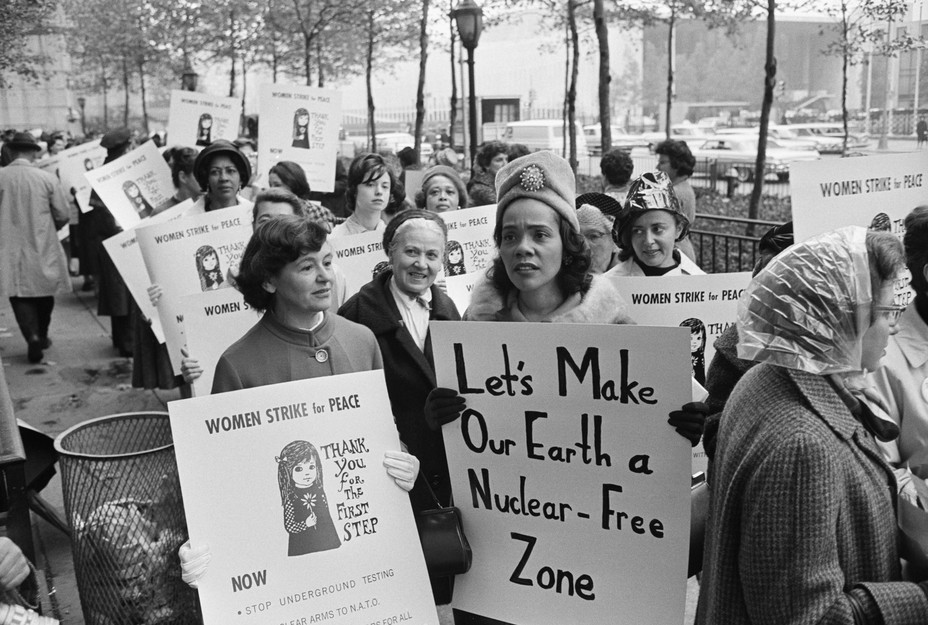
(731, 250)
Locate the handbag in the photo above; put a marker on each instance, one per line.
(444, 544)
(16, 610)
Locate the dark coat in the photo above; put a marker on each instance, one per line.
(410, 375)
(802, 526)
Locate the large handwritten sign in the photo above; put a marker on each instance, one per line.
(286, 485)
(135, 185)
(198, 119)
(573, 487)
(192, 255)
(300, 124)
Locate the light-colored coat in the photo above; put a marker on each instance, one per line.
(802, 528)
(32, 207)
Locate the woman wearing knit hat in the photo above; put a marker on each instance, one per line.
(596, 228)
(648, 229)
(442, 190)
(542, 273)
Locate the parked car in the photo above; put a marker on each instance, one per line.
(621, 138)
(783, 135)
(544, 134)
(738, 153)
(396, 141)
(687, 131)
(829, 137)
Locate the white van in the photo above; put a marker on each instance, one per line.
(545, 134)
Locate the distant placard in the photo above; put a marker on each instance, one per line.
(73, 163)
(470, 250)
(707, 305)
(124, 251)
(197, 119)
(359, 257)
(875, 191)
(300, 124)
(306, 526)
(574, 490)
(213, 320)
(135, 185)
(192, 255)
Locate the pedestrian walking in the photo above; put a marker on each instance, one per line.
(33, 267)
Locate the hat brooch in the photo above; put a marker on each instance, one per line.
(532, 179)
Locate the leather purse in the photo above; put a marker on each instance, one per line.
(444, 544)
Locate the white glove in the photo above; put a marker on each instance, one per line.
(154, 294)
(402, 467)
(190, 368)
(193, 562)
(14, 568)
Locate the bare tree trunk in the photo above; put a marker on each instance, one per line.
(572, 91)
(321, 81)
(307, 40)
(142, 90)
(453, 116)
(605, 110)
(844, 61)
(125, 87)
(670, 61)
(242, 128)
(420, 90)
(232, 55)
(105, 85)
(367, 78)
(770, 81)
(566, 89)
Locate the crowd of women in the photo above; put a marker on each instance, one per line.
(814, 437)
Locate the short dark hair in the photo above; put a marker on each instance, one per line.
(679, 154)
(277, 194)
(574, 275)
(182, 160)
(293, 177)
(617, 166)
(275, 244)
(488, 150)
(366, 167)
(518, 150)
(916, 247)
(886, 258)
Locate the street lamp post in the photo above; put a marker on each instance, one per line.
(82, 102)
(188, 80)
(469, 18)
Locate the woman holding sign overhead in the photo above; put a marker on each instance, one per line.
(542, 274)
(398, 306)
(803, 515)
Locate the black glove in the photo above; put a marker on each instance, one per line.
(690, 420)
(443, 405)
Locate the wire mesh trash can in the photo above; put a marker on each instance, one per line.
(123, 500)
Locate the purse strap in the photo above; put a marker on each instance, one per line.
(13, 595)
(428, 487)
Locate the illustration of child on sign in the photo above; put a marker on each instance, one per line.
(138, 201)
(697, 347)
(208, 268)
(301, 128)
(306, 509)
(454, 259)
(204, 129)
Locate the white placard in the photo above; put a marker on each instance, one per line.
(299, 124)
(73, 163)
(707, 304)
(127, 257)
(135, 185)
(213, 320)
(574, 490)
(191, 255)
(359, 257)
(875, 191)
(198, 119)
(470, 250)
(343, 550)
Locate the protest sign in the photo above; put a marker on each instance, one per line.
(875, 191)
(413, 182)
(213, 320)
(134, 185)
(304, 525)
(574, 490)
(706, 304)
(198, 119)
(70, 166)
(470, 250)
(190, 255)
(127, 257)
(359, 257)
(300, 124)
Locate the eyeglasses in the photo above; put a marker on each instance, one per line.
(891, 312)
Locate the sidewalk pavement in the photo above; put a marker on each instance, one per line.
(80, 378)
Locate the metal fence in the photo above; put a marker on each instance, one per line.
(727, 244)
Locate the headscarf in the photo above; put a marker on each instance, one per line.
(809, 308)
